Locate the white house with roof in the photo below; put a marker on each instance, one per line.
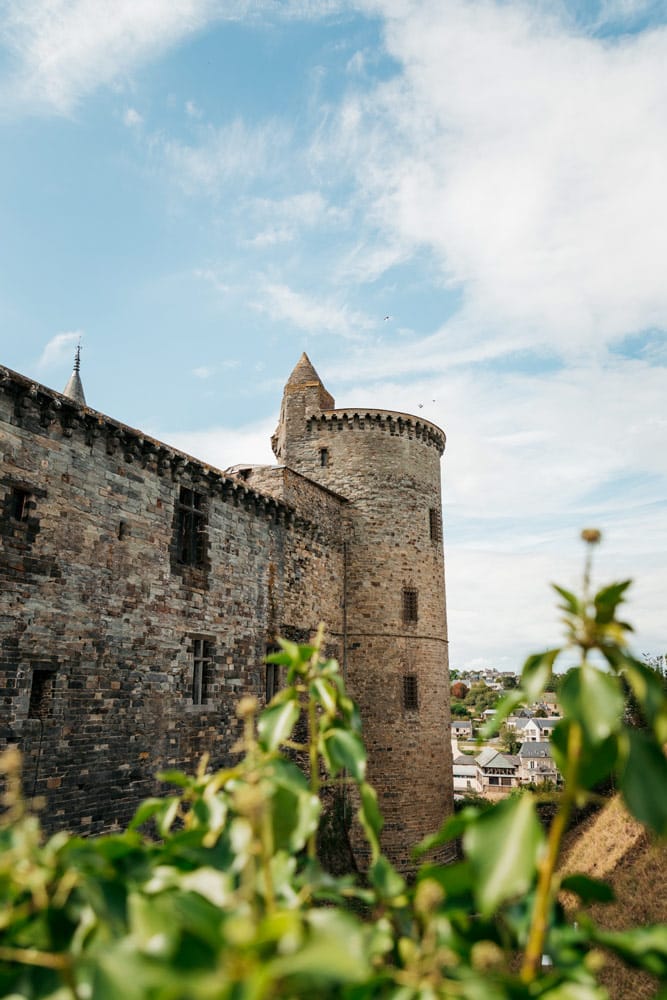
(467, 775)
(538, 730)
(536, 763)
(499, 771)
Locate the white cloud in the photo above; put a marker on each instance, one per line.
(315, 316)
(203, 372)
(64, 49)
(192, 111)
(236, 151)
(532, 458)
(528, 159)
(282, 220)
(222, 447)
(59, 349)
(132, 118)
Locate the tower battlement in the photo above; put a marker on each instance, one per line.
(388, 421)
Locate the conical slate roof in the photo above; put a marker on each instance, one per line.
(304, 373)
(74, 388)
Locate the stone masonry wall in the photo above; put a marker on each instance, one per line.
(100, 621)
(388, 467)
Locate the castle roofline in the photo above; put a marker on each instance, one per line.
(238, 470)
(134, 444)
(396, 419)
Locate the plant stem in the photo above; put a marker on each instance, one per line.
(546, 888)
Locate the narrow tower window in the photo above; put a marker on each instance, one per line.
(410, 693)
(435, 524)
(190, 527)
(409, 604)
(272, 674)
(20, 504)
(324, 457)
(201, 669)
(41, 694)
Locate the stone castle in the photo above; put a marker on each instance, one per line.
(140, 590)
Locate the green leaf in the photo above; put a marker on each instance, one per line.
(145, 811)
(505, 707)
(386, 879)
(452, 828)
(502, 847)
(594, 699)
(644, 947)
(607, 600)
(571, 602)
(324, 693)
(644, 780)
(589, 890)
(334, 951)
(596, 761)
(276, 724)
(370, 817)
(648, 688)
(344, 750)
(456, 880)
(536, 673)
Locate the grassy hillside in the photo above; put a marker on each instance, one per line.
(613, 846)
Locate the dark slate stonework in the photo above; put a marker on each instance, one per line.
(102, 620)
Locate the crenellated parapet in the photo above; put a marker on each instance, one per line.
(384, 421)
(55, 414)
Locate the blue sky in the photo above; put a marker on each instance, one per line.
(202, 189)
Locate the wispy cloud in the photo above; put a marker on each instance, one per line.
(308, 313)
(132, 118)
(58, 349)
(64, 49)
(238, 150)
(281, 220)
(529, 159)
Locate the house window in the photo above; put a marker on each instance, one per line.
(20, 504)
(410, 693)
(435, 524)
(190, 527)
(324, 457)
(409, 604)
(41, 694)
(201, 669)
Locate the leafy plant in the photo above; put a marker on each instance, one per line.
(215, 891)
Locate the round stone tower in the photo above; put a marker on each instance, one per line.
(387, 465)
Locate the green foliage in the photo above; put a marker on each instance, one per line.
(215, 891)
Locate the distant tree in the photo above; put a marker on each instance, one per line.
(509, 681)
(459, 690)
(540, 714)
(633, 715)
(458, 708)
(480, 697)
(508, 740)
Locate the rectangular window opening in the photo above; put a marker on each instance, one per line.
(409, 604)
(202, 653)
(271, 675)
(41, 694)
(191, 527)
(20, 504)
(410, 693)
(435, 524)
(324, 457)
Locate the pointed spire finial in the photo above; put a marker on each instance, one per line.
(74, 388)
